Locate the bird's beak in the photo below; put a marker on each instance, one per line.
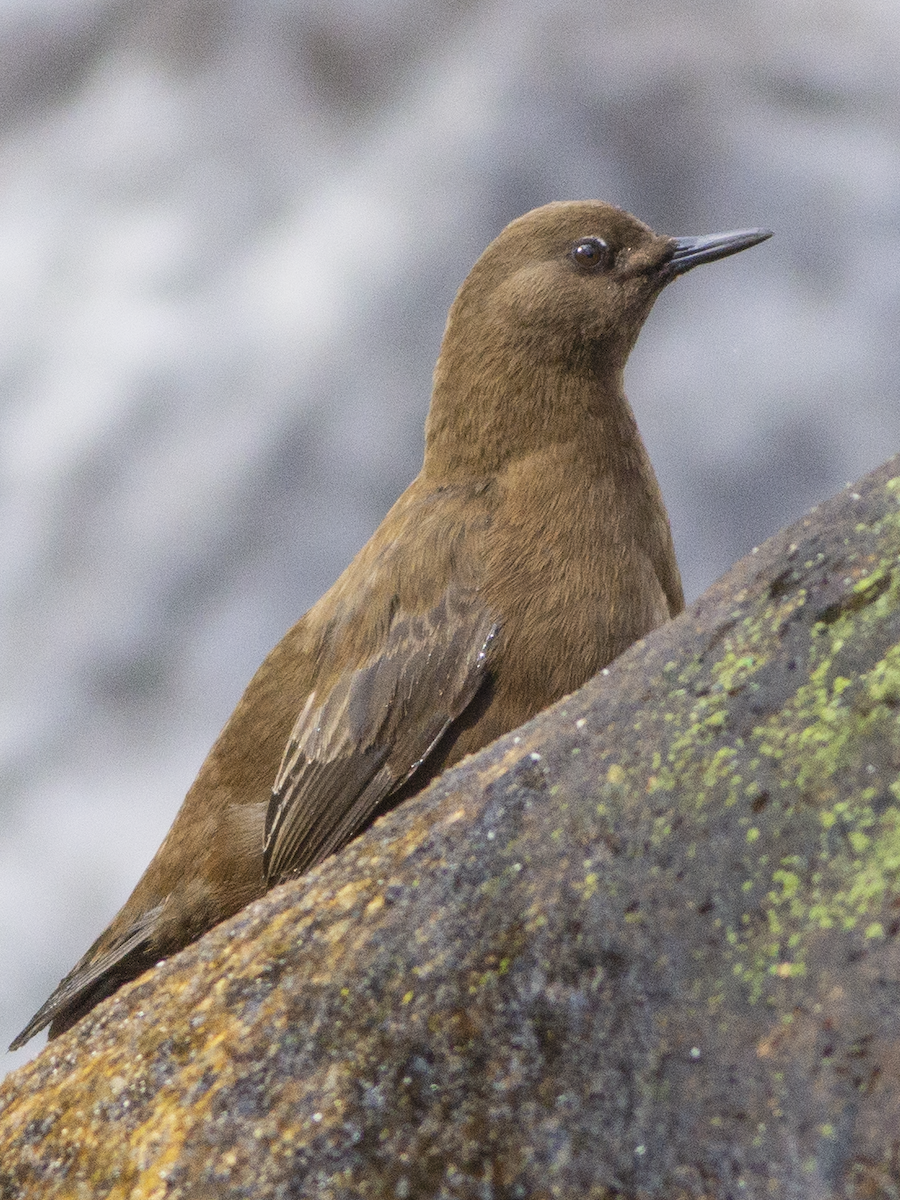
(692, 251)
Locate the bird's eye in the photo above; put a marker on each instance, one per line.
(590, 253)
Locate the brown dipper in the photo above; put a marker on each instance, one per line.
(532, 549)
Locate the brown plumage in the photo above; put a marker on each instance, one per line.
(531, 550)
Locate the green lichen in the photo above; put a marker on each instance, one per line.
(803, 765)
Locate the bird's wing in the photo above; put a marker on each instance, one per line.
(354, 745)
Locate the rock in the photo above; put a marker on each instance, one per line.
(646, 946)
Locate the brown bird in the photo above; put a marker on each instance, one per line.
(531, 550)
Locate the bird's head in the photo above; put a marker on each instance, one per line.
(552, 308)
(580, 277)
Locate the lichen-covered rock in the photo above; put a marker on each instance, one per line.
(646, 946)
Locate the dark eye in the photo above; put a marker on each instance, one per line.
(590, 253)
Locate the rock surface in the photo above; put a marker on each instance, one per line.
(646, 946)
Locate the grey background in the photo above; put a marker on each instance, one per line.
(229, 235)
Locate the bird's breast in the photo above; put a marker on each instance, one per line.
(573, 560)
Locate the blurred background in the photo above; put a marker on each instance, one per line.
(230, 231)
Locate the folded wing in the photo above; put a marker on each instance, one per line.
(362, 739)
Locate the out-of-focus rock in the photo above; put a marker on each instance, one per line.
(646, 946)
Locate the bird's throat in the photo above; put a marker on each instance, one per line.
(481, 421)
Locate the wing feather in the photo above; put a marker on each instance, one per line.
(351, 748)
(92, 979)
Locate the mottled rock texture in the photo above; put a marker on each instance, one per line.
(645, 947)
